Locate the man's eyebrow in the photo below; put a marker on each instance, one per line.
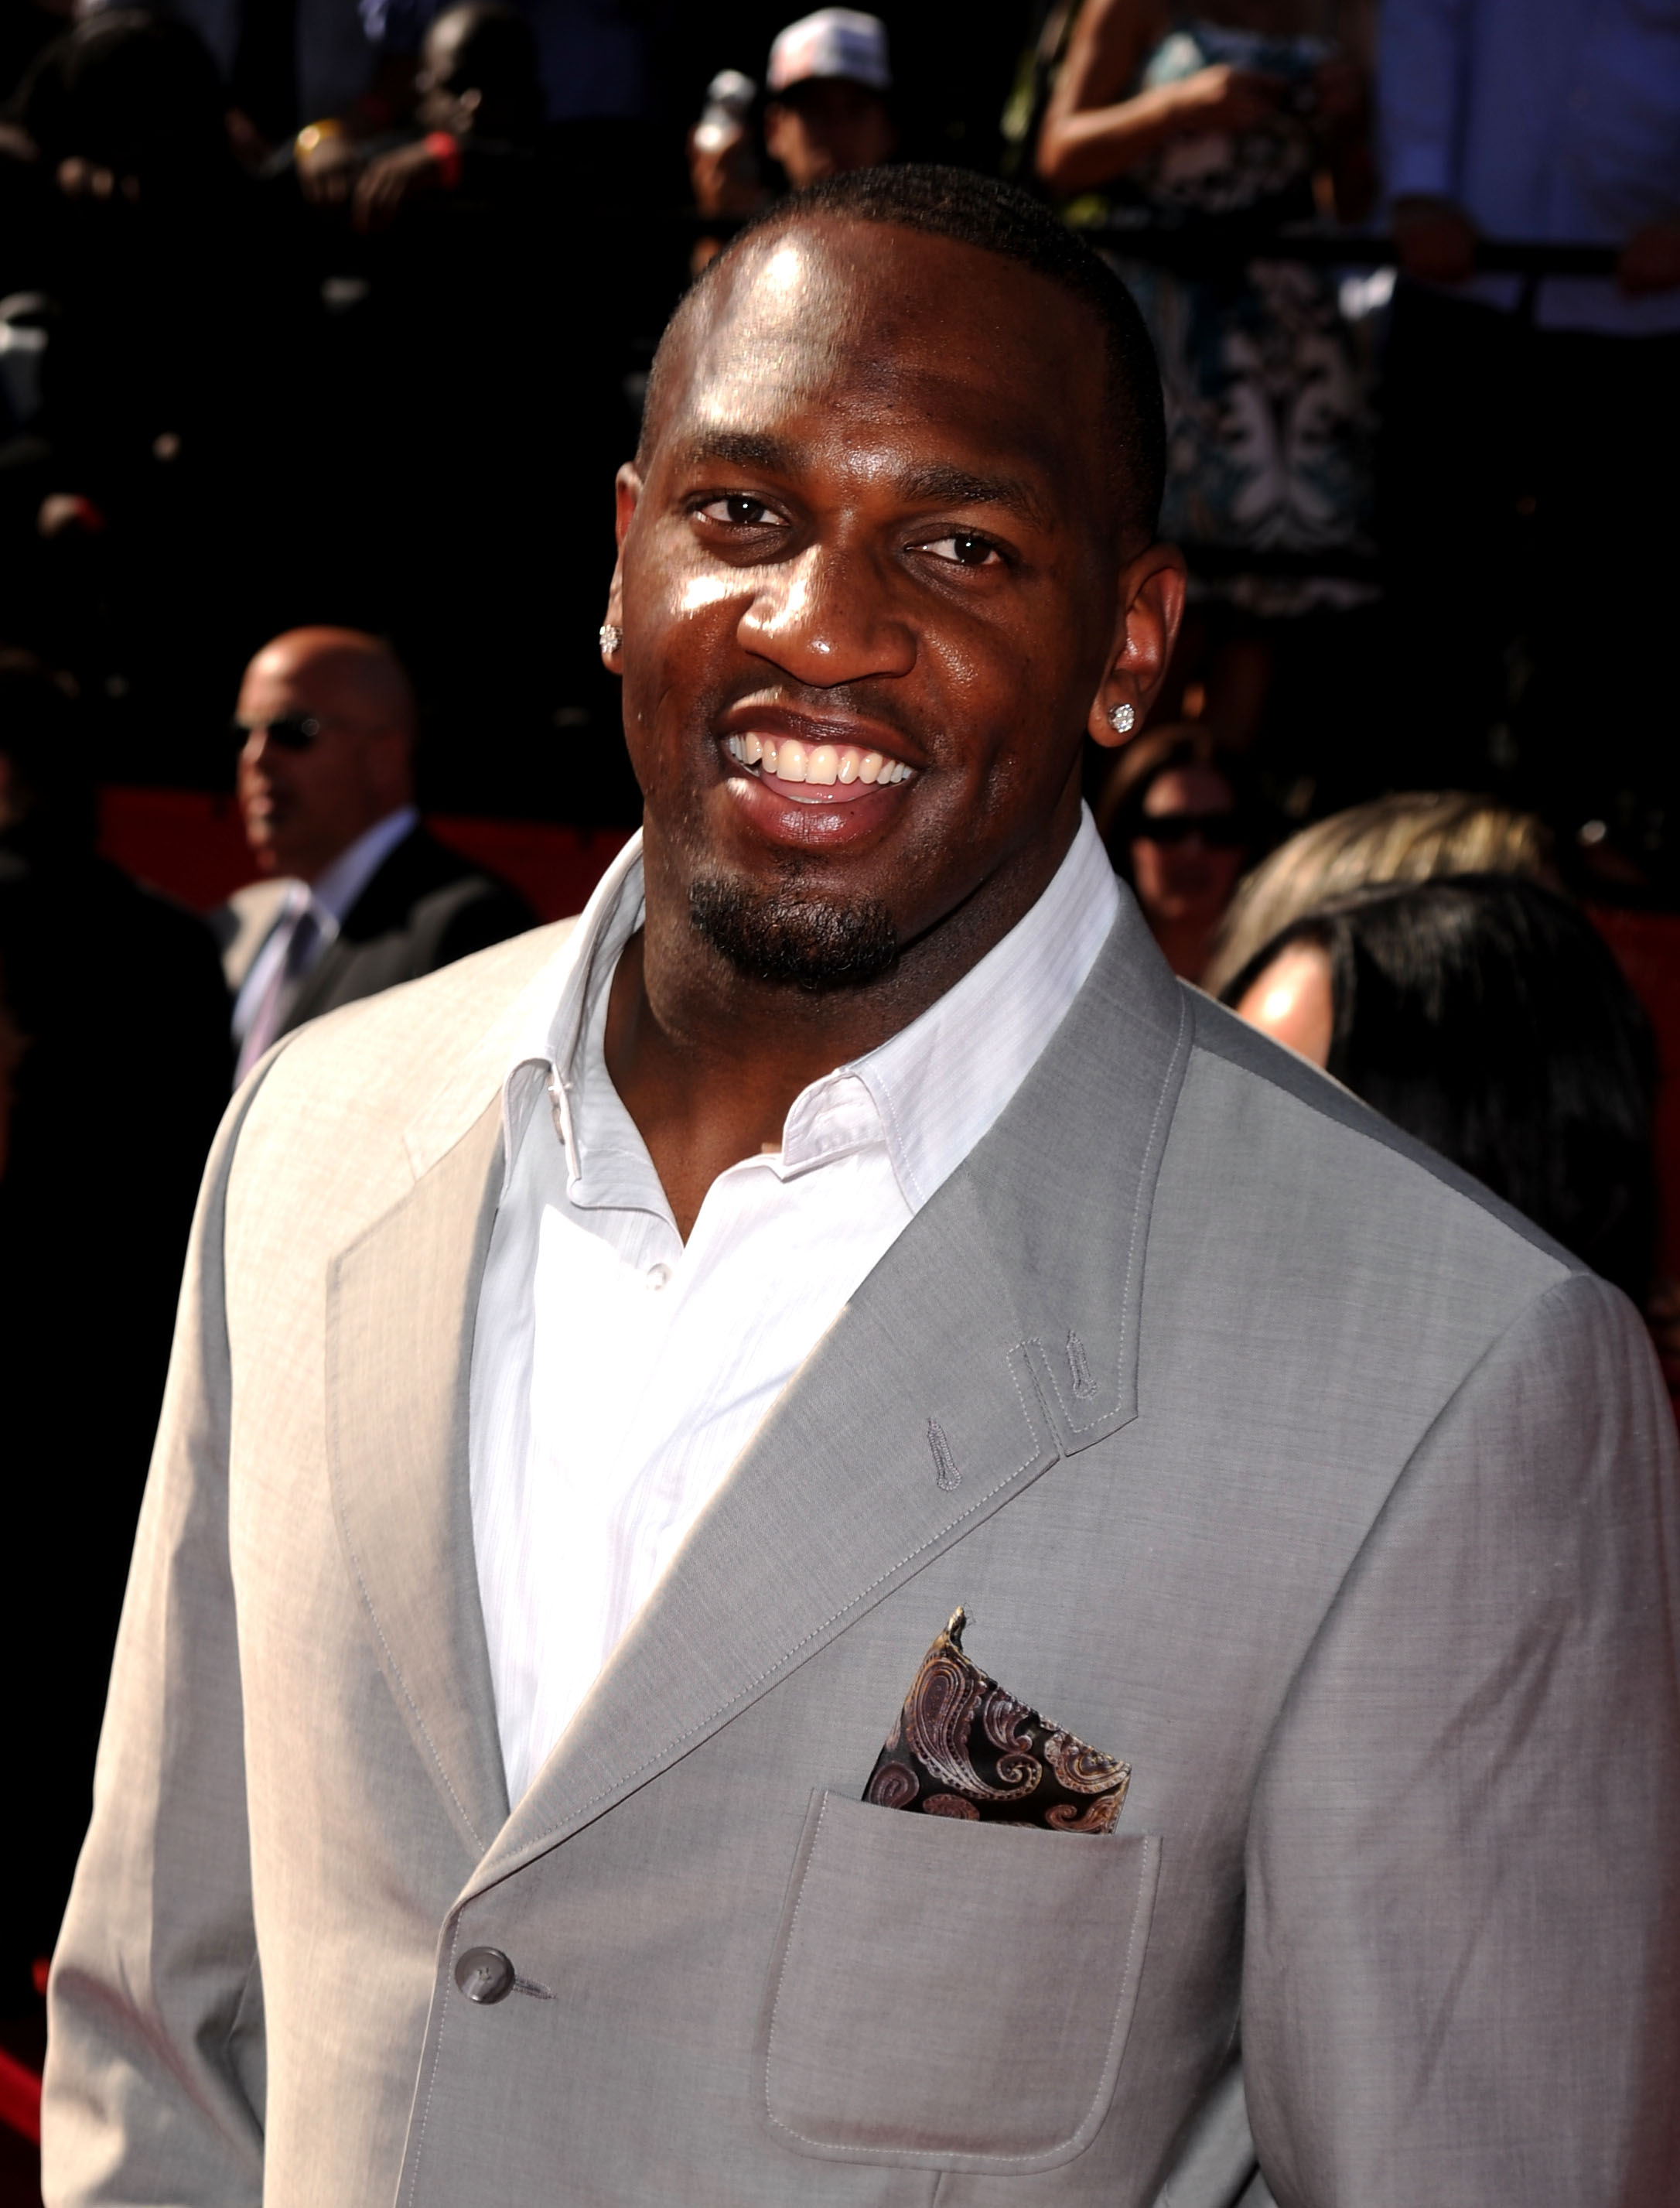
(934, 485)
(949, 486)
(741, 448)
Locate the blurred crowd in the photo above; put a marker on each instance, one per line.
(324, 324)
(340, 310)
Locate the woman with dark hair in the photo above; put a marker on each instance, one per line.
(1180, 820)
(1484, 1016)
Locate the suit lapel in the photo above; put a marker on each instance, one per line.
(999, 1333)
(401, 1302)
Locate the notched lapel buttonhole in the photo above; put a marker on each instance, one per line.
(963, 1746)
(1079, 1366)
(944, 1464)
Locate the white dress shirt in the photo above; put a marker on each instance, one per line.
(617, 1373)
(1548, 119)
(327, 899)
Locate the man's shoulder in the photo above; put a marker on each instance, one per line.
(365, 1071)
(1302, 1159)
(425, 881)
(350, 1112)
(427, 1022)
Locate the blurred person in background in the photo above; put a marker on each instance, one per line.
(476, 124)
(1227, 121)
(1180, 820)
(723, 164)
(1407, 836)
(723, 160)
(828, 80)
(113, 1041)
(478, 388)
(327, 725)
(28, 28)
(1527, 419)
(1486, 1016)
(165, 491)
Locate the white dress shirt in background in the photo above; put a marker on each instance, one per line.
(617, 1374)
(1554, 120)
(327, 899)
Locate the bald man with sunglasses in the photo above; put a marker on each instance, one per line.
(364, 896)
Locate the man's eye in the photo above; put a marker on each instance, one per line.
(965, 550)
(742, 511)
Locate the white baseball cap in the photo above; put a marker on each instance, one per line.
(834, 42)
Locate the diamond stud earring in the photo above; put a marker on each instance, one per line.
(1120, 719)
(612, 640)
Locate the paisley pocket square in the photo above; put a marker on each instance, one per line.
(961, 1746)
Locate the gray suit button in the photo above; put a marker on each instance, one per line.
(484, 1974)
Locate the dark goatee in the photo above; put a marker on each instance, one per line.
(806, 942)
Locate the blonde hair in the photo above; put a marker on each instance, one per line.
(1412, 836)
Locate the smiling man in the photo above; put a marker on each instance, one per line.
(543, 1762)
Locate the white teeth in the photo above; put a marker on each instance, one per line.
(789, 760)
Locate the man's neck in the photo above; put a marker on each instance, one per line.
(708, 1060)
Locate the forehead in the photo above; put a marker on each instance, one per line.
(316, 680)
(1194, 788)
(446, 34)
(839, 330)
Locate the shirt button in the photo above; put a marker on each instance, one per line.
(658, 1276)
(484, 1974)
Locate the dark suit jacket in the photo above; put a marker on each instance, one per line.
(426, 907)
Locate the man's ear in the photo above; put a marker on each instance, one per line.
(776, 127)
(1150, 601)
(628, 491)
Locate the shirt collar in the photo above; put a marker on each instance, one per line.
(930, 1092)
(336, 888)
(940, 1083)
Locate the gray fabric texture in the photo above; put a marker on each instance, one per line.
(1289, 1467)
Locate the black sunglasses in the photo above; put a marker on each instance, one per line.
(1226, 831)
(292, 732)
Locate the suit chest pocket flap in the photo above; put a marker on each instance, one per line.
(948, 1995)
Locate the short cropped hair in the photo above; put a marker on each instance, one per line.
(981, 211)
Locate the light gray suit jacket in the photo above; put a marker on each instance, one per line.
(1277, 1458)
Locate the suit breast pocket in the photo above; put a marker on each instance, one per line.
(948, 1995)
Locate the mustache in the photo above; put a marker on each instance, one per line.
(866, 701)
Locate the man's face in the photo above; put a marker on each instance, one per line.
(827, 127)
(875, 543)
(1187, 876)
(439, 106)
(302, 806)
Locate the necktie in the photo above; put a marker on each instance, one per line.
(303, 937)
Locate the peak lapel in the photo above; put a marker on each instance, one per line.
(932, 1400)
(401, 1307)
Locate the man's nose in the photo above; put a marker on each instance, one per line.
(260, 753)
(828, 617)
